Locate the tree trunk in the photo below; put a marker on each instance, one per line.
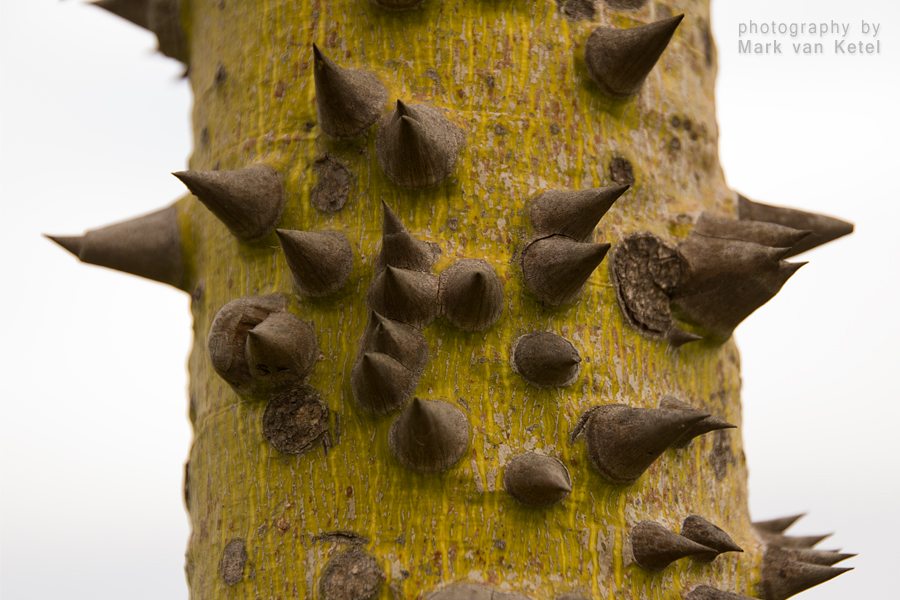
(302, 492)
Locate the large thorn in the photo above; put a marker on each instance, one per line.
(546, 360)
(382, 384)
(724, 281)
(698, 529)
(779, 525)
(429, 436)
(655, 547)
(619, 60)
(791, 541)
(281, 350)
(400, 249)
(410, 297)
(320, 261)
(705, 592)
(402, 342)
(623, 441)
(148, 246)
(824, 229)
(711, 423)
(817, 557)
(471, 294)
(572, 213)
(348, 101)
(135, 11)
(417, 146)
(536, 480)
(162, 17)
(757, 232)
(285, 341)
(556, 268)
(248, 201)
(783, 577)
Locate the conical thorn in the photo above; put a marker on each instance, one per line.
(147, 246)
(619, 60)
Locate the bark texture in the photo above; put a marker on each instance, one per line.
(512, 77)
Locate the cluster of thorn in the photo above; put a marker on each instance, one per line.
(711, 281)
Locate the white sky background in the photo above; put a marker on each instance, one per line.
(93, 428)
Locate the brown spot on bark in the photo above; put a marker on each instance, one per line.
(554, 128)
(706, 35)
(295, 421)
(332, 190)
(489, 81)
(627, 4)
(500, 129)
(221, 74)
(578, 10)
(351, 575)
(721, 455)
(621, 171)
(279, 90)
(644, 269)
(675, 144)
(234, 557)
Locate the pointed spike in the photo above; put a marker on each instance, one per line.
(698, 529)
(348, 101)
(678, 337)
(779, 525)
(827, 558)
(471, 294)
(390, 222)
(381, 384)
(546, 360)
(572, 213)
(135, 11)
(248, 201)
(399, 341)
(557, 268)
(283, 341)
(410, 297)
(320, 261)
(537, 481)
(824, 229)
(417, 146)
(281, 351)
(791, 541)
(148, 246)
(655, 547)
(623, 441)
(705, 592)
(724, 281)
(783, 577)
(72, 244)
(757, 232)
(619, 60)
(707, 425)
(429, 436)
(164, 19)
(400, 249)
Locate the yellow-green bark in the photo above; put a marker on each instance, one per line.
(561, 132)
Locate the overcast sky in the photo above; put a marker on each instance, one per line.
(93, 428)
